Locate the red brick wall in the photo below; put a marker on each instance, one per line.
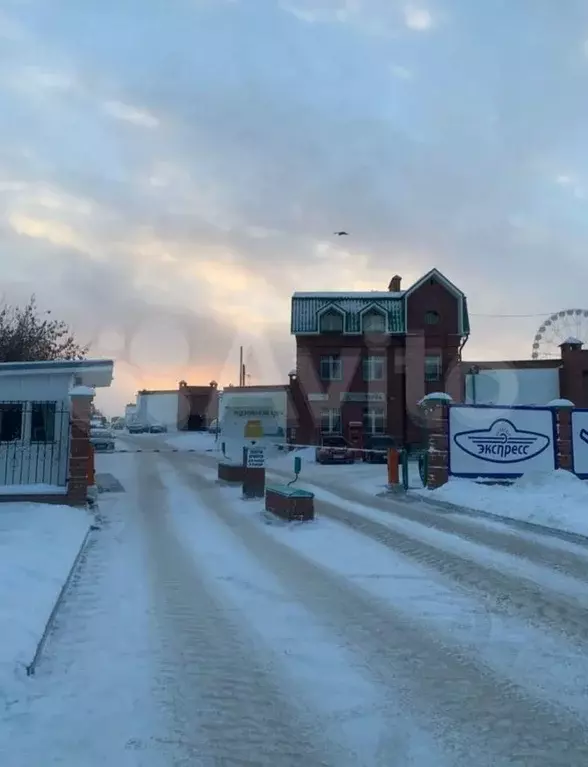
(77, 486)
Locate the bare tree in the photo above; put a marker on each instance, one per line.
(28, 335)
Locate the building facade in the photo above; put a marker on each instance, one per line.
(364, 360)
(529, 382)
(158, 408)
(197, 406)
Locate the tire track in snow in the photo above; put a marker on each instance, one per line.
(501, 592)
(569, 560)
(222, 698)
(471, 709)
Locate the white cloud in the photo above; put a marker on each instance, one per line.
(571, 183)
(402, 73)
(418, 19)
(131, 114)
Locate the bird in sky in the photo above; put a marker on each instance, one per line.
(341, 234)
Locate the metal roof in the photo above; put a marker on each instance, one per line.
(306, 309)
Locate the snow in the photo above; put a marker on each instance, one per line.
(351, 295)
(38, 546)
(555, 499)
(436, 396)
(36, 489)
(455, 616)
(82, 391)
(195, 440)
(316, 670)
(201, 631)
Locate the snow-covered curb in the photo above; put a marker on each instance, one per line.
(552, 501)
(40, 547)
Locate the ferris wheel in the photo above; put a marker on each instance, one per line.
(569, 323)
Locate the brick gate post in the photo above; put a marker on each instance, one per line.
(563, 418)
(436, 408)
(79, 451)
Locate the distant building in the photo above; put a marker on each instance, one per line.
(367, 358)
(529, 382)
(197, 406)
(158, 407)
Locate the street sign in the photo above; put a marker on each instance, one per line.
(255, 458)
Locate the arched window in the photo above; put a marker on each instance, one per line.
(432, 318)
(373, 322)
(331, 322)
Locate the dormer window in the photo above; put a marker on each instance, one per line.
(373, 322)
(331, 322)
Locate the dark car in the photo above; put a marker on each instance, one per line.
(334, 450)
(380, 444)
(157, 428)
(137, 428)
(102, 439)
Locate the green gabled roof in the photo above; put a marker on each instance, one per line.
(306, 310)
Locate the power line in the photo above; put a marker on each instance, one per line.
(542, 314)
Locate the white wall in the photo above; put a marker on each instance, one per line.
(25, 462)
(235, 409)
(39, 386)
(523, 386)
(158, 408)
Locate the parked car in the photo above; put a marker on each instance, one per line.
(157, 428)
(137, 428)
(101, 439)
(380, 443)
(334, 449)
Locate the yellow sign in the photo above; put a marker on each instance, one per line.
(253, 430)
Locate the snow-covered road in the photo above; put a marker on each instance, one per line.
(383, 634)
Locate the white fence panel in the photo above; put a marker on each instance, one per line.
(580, 443)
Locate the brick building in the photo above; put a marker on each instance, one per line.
(197, 406)
(367, 358)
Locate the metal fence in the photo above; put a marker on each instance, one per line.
(34, 443)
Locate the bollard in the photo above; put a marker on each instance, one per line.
(393, 457)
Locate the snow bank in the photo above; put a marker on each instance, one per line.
(38, 546)
(555, 499)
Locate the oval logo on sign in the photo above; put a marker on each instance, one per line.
(502, 443)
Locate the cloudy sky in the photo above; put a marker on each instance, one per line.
(171, 170)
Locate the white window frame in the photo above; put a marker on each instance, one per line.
(335, 364)
(371, 366)
(374, 420)
(333, 416)
(433, 368)
(374, 313)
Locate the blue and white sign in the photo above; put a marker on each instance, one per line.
(580, 443)
(500, 442)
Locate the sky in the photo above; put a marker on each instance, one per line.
(172, 170)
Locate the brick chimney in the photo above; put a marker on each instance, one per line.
(571, 344)
(394, 286)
